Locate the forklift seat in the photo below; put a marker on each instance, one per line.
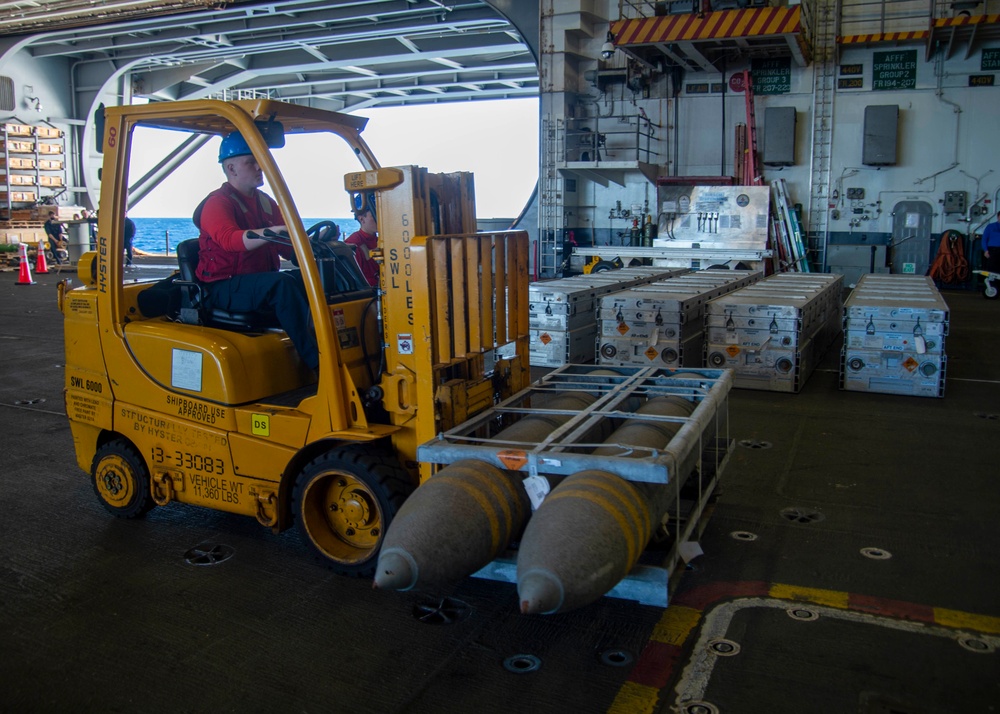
(194, 311)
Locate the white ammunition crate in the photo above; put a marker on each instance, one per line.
(912, 297)
(908, 374)
(656, 351)
(678, 300)
(581, 288)
(773, 333)
(551, 348)
(634, 329)
(775, 370)
(542, 317)
(894, 340)
(887, 340)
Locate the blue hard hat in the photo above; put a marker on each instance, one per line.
(362, 202)
(233, 144)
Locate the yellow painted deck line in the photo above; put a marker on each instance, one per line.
(675, 625)
(679, 621)
(831, 598)
(966, 620)
(635, 698)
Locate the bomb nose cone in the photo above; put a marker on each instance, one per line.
(540, 592)
(396, 570)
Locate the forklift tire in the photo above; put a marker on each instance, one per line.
(344, 501)
(121, 480)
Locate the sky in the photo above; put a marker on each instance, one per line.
(496, 140)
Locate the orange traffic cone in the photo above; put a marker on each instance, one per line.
(41, 267)
(25, 276)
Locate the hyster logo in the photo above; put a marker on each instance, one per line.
(102, 266)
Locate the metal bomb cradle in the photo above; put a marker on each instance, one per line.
(654, 476)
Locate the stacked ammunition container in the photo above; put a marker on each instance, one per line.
(663, 324)
(773, 333)
(894, 334)
(561, 313)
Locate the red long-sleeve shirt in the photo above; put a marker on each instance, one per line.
(369, 268)
(225, 215)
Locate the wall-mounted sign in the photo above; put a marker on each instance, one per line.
(990, 60)
(850, 83)
(894, 70)
(850, 69)
(981, 80)
(705, 88)
(772, 76)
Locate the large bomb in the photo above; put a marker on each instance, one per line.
(590, 531)
(452, 525)
(468, 513)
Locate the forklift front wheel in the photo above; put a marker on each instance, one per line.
(121, 480)
(344, 501)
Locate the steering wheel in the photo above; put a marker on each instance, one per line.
(316, 229)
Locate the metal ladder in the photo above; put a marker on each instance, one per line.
(752, 175)
(824, 73)
(551, 223)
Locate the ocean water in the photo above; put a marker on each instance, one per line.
(157, 235)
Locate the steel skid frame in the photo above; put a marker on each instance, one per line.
(691, 463)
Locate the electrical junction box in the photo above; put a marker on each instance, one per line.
(881, 124)
(955, 201)
(779, 136)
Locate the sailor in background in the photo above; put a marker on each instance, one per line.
(364, 240)
(991, 246)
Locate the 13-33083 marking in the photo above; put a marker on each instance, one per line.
(187, 460)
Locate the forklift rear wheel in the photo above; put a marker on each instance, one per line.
(344, 501)
(121, 480)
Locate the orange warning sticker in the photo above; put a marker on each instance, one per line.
(910, 364)
(545, 338)
(513, 459)
(622, 327)
(651, 353)
(732, 350)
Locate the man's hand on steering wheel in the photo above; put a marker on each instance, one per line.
(323, 231)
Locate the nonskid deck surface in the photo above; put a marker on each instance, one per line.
(849, 566)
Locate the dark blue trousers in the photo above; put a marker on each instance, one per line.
(281, 292)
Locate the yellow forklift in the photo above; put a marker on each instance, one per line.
(213, 410)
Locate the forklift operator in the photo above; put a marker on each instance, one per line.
(241, 273)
